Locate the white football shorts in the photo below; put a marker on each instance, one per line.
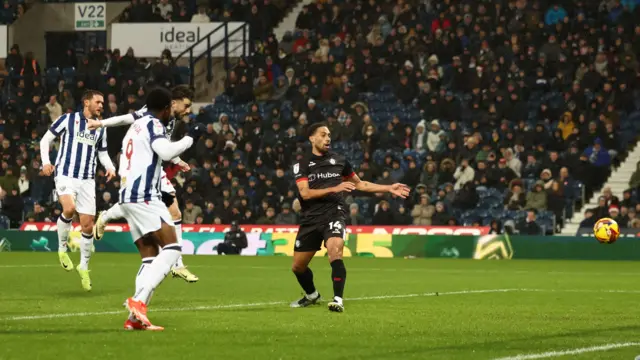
(146, 217)
(83, 192)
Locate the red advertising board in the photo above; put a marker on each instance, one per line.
(392, 230)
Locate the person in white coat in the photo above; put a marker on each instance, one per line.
(464, 174)
(513, 162)
(435, 137)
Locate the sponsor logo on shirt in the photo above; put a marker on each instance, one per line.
(86, 138)
(314, 177)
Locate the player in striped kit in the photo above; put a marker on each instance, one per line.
(144, 147)
(75, 171)
(181, 97)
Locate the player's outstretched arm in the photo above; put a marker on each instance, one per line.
(307, 194)
(398, 189)
(168, 150)
(120, 120)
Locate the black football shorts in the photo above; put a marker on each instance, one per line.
(312, 237)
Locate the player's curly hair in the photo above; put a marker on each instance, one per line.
(314, 127)
(180, 92)
(158, 99)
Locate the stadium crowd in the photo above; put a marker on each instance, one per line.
(495, 112)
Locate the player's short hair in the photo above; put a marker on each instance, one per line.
(89, 94)
(181, 92)
(314, 127)
(158, 99)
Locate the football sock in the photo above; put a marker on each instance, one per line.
(146, 262)
(86, 243)
(64, 227)
(157, 271)
(305, 279)
(339, 276)
(178, 225)
(114, 212)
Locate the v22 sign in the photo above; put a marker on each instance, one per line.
(91, 16)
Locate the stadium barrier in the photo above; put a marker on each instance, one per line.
(624, 233)
(362, 245)
(394, 230)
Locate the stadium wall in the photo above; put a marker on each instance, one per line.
(483, 247)
(29, 31)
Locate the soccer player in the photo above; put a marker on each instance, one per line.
(145, 146)
(180, 106)
(322, 178)
(75, 171)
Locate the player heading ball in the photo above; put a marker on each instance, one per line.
(323, 177)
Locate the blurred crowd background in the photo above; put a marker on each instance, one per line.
(496, 112)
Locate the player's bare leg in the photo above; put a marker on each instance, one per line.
(86, 245)
(335, 246)
(179, 270)
(64, 228)
(104, 218)
(156, 271)
(301, 270)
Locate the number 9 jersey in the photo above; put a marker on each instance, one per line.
(140, 166)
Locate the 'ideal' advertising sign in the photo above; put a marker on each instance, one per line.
(150, 39)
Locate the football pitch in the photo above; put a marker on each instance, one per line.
(395, 309)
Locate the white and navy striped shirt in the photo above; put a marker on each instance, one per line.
(78, 154)
(140, 166)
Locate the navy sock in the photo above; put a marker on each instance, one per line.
(305, 279)
(339, 276)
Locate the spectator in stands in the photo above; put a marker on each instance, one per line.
(528, 226)
(628, 200)
(516, 198)
(423, 211)
(600, 159)
(38, 214)
(54, 107)
(602, 210)
(634, 181)
(435, 138)
(190, 212)
(495, 227)
(286, 216)
(556, 202)
(610, 199)
(589, 219)
(201, 16)
(268, 218)
(440, 217)
(383, 214)
(14, 59)
(13, 207)
(23, 182)
(355, 218)
(464, 174)
(537, 198)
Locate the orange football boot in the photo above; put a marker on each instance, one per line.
(137, 325)
(139, 310)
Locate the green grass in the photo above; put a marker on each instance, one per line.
(553, 306)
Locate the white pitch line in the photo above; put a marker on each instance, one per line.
(578, 351)
(249, 305)
(359, 269)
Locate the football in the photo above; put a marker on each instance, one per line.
(606, 231)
